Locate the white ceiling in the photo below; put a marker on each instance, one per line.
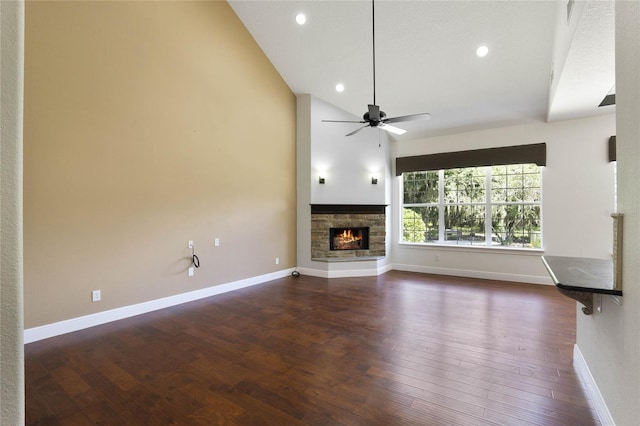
(426, 61)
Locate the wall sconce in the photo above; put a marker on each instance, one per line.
(374, 180)
(320, 180)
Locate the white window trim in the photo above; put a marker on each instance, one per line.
(470, 248)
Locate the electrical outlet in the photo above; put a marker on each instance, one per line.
(216, 242)
(277, 260)
(437, 258)
(96, 296)
(190, 244)
(191, 271)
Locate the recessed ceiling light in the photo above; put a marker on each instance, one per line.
(301, 18)
(339, 87)
(482, 51)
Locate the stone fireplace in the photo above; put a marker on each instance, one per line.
(347, 231)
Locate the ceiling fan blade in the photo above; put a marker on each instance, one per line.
(374, 113)
(412, 117)
(343, 121)
(391, 129)
(356, 131)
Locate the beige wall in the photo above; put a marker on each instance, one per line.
(11, 273)
(148, 124)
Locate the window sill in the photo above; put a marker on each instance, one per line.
(470, 248)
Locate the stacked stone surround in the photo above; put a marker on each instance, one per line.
(344, 216)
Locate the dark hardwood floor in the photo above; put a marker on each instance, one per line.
(401, 348)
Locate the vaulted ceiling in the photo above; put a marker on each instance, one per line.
(547, 60)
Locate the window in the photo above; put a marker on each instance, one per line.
(483, 206)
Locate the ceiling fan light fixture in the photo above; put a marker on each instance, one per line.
(392, 129)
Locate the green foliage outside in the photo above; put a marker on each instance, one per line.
(413, 227)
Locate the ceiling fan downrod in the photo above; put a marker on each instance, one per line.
(373, 27)
(374, 117)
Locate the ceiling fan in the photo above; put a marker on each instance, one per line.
(374, 117)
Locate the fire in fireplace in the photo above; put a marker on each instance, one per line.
(349, 238)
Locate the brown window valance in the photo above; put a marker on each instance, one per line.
(519, 154)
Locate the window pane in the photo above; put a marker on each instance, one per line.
(514, 195)
(516, 226)
(498, 195)
(514, 169)
(420, 224)
(515, 183)
(464, 185)
(464, 224)
(420, 187)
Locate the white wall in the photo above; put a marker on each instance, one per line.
(347, 164)
(11, 253)
(610, 340)
(577, 202)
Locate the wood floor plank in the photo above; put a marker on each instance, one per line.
(398, 349)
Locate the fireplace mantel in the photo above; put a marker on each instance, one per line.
(348, 208)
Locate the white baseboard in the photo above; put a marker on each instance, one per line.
(592, 388)
(62, 327)
(499, 276)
